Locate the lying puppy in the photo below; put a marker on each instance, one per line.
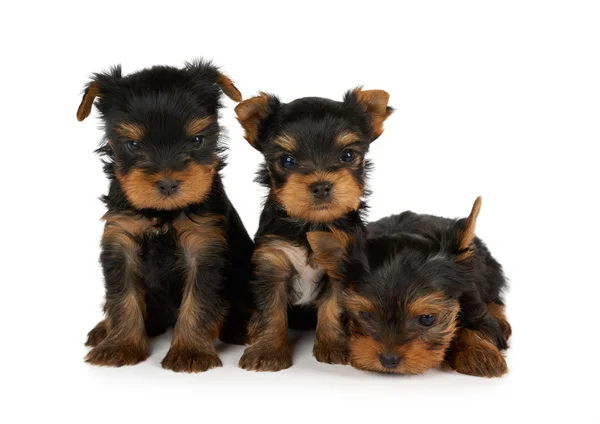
(315, 170)
(174, 250)
(420, 290)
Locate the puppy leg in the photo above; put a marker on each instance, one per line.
(202, 310)
(125, 341)
(239, 273)
(472, 353)
(475, 315)
(330, 340)
(268, 328)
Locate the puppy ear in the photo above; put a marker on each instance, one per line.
(466, 234)
(85, 107)
(101, 84)
(251, 113)
(228, 87)
(330, 249)
(203, 70)
(375, 103)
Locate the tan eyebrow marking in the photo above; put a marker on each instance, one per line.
(430, 303)
(197, 125)
(130, 130)
(286, 142)
(346, 138)
(355, 302)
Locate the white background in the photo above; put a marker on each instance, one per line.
(499, 99)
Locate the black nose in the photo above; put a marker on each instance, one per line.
(168, 187)
(389, 361)
(321, 190)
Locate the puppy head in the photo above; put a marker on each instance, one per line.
(400, 294)
(315, 149)
(161, 131)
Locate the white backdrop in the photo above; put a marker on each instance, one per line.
(499, 99)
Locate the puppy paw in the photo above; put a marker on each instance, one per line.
(477, 356)
(190, 360)
(331, 354)
(97, 334)
(116, 354)
(482, 363)
(265, 359)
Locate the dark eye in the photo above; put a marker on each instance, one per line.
(133, 146)
(287, 161)
(365, 314)
(198, 139)
(347, 156)
(426, 320)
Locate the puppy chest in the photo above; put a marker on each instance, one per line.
(160, 259)
(305, 284)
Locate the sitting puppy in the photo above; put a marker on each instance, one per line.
(421, 289)
(314, 151)
(174, 250)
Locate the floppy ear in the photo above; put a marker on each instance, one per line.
(205, 71)
(85, 107)
(375, 103)
(466, 235)
(100, 85)
(228, 87)
(330, 249)
(250, 113)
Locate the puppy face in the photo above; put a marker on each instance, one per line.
(315, 149)
(407, 333)
(400, 294)
(161, 131)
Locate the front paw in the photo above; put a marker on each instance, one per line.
(116, 354)
(260, 358)
(481, 360)
(183, 359)
(330, 353)
(97, 334)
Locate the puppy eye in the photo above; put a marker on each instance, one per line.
(133, 146)
(287, 161)
(365, 314)
(198, 139)
(426, 320)
(347, 156)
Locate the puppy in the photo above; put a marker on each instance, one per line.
(174, 250)
(420, 290)
(314, 168)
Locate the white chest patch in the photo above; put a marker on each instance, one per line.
(305, 283)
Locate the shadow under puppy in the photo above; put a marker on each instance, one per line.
(174, 250)
(314, 168)
(420, 290)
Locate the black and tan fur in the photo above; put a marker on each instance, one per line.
(315, 170)
(420, 290)
(174, 250)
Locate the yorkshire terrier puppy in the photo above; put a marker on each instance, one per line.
(420, 290)
(314, 168)
(174, 250)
